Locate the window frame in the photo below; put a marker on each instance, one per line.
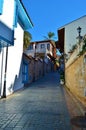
(48, 46)
(42, 46)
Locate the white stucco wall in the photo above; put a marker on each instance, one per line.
(8, 13)
(14, 61)
(39, 49)
(71, 32)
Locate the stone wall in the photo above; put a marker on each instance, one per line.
(36, 68)
(75, 78)
(31, 69)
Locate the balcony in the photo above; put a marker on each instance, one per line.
(38, 51)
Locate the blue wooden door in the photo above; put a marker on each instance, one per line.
(25, 72)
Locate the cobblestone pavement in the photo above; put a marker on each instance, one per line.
(41, 106)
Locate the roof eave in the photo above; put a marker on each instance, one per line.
(24, 18)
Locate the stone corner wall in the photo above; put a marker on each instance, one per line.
(75, 78)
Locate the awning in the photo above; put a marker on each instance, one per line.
(6, 35)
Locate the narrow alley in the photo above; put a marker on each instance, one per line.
(40, 106)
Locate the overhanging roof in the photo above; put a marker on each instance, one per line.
(71, 22)
(44, 41)
(23, 16)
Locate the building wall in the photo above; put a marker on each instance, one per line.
(31, 70)
(38, 49)
(75, 68)
(13, 13)
(75, 78)
(40, 64)
(8, 13)
(18, 84)
(14, 62)
(45, 50)
(71, 32)
(14, 58)
(36, 68)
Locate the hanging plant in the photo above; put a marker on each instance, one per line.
(84, 38)
(73, 48)
(84, 47)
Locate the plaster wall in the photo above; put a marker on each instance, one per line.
(71, 33)
(75, 78)
(8, 11)
(15, 61)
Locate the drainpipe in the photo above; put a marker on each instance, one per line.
(5, 74)
(1, 69)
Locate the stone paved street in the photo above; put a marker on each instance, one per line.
(41, 106)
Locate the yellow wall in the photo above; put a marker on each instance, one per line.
(75, 78)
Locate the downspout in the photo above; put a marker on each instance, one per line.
(5, 74)
(2, 69)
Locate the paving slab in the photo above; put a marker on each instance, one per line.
(40, 106)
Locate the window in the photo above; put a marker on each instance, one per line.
(1, 6)
(42, 46)
(30, 47)
(48, 46)
(36, 46)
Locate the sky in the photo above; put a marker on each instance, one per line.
(50, 15)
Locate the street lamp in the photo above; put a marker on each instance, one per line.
(79, 38)
(79, 34)
(79, 30)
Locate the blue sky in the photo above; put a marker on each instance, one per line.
(49, 15)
